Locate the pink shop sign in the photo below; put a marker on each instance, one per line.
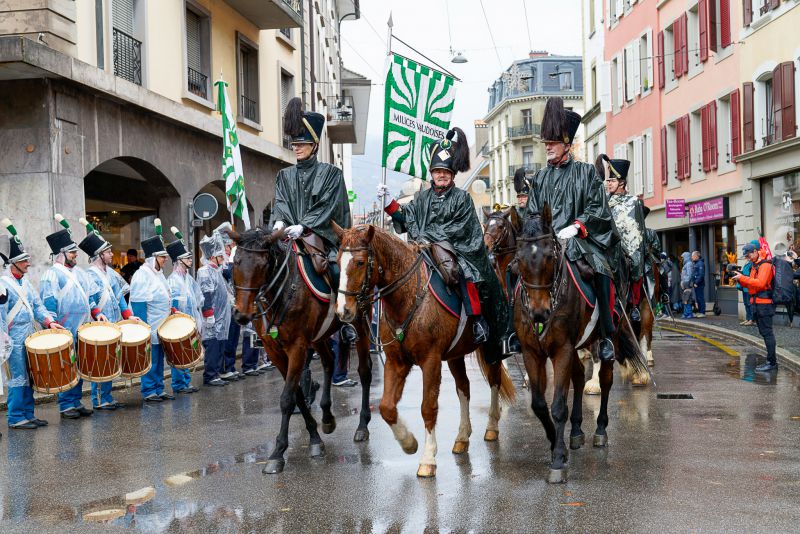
(708, 210)
(676, 208)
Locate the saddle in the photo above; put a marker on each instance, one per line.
(445, 262)
(315, 248)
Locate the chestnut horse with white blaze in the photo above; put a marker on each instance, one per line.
(415, 330)
(500, 238)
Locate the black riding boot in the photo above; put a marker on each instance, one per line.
(602, 287)
(308, 385)
(480, 329)
(349, 334)
(511, 344)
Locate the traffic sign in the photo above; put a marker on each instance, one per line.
(205, 206)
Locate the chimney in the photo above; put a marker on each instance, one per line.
(534, 54)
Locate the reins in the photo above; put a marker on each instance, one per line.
(555, 288)
(501, 251)
(264, 304)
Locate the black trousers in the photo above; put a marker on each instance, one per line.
(602, 287)
(763, 314)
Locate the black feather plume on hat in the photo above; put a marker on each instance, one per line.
(520, 182)
(599, 167)
(293, 118)
(554, 121)
(460, 150)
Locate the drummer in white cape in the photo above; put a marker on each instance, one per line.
(215, 307)
(21, 315)
(111, 303)
(68, 293)
(150, 302)
(186, 298)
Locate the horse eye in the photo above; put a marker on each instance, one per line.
(360, 263)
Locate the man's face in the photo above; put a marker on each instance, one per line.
(132, 258)
(22, 266)
(695, 256)
(753, 256)
(555, 150)
(612, 185)
(302, 151)
(71, 258)
(107, 256)
(187, 262)
(522, 200)
(160, 261)
(442, 178)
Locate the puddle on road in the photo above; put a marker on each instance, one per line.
(745, 369)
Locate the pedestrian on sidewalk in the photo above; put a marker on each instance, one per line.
(759, 286)
(699, 281)
(341, 360)
(687, 278)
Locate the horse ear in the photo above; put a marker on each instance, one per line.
(512, 216)
(337, 229)
(370, 233)
(508, 211)
(547, 216)
(233, 234)
(486, 211)
(277, 235)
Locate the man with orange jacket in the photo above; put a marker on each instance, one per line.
(759, 287)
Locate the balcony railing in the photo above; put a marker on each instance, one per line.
(294, 5)
(530, 168)
(341, 109)
(248, 108)
(198, 83)
(484, 151)
(770, 136)
(526, 130)
(127, 57)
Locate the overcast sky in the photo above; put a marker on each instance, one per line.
(554, 27)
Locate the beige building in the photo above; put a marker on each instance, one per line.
(110, 107)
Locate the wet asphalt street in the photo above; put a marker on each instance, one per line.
(727, 460)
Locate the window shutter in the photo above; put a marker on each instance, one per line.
(702, 15)
(712, 25)
(788, 120)
(647, 163)
(628, 53)
(604, 82)
(638, 185)
(685, 43)
(620, 82)
(660, 49)
(774, 4)
(705, 138)
(619, 9)
(724, 23)
(747, 15)
(637, 68)
(777, 105)
(679, 147)
(677, 69)
(122, 14)
(713, 150)
(664, 175)
(193, 30)
(748, 120)
(687, 148)
(736, 147)
(649, 62)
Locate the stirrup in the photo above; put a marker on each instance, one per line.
(480, 331)
(511, 345)
(348, 333)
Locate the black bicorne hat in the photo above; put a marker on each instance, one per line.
(451, 153)
(559, 124)
(61, 241)
(177, 249)
(618, 168)
(94, 243)
(154, 246)
(16, 251)
(302, 127)
(521, 184)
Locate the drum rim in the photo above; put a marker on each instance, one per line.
(97, 343)
(138, 323)
(177, 339)
(70, 341)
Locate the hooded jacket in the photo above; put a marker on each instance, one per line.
(687, 273)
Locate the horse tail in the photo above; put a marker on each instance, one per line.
(507, 391)
(633, 364)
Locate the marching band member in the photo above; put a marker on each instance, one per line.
(20, 313)
(68, 293)
(150, 301)
(215, 307)
(111, 303)
(186, 298)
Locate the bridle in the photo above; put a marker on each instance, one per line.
(506, 225)
(263, 303)
(556, 286)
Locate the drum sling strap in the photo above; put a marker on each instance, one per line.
(71, 281)
(22, 301)
(107, 291)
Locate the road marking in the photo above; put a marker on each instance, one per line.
(724, 348)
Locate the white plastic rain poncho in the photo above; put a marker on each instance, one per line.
(113, 288)
(186, 295)
(149, 287)
(69, 294)
(21, 315)
(213, 287)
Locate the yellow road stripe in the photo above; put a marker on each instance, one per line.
(724, 348)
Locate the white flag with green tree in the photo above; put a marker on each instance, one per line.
(232, 171)
(419, 103)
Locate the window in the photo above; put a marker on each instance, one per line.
(527, 120)
(286, 32)
(783, 104)
(615, 10)
(767, 110)
(593, 86)
(630, 54)
(693, 40)
(724, 138)
(683, 147)
(248, 80)
(669, 56)
(735, 115)
(702, 30)
(287, 93)
(197, 52)
(592, 16)
(695, 144)
(680, 64)
(618, 85)
(127, 50)
(708, 119)
(527, 157)
(748, 116)
(647, 163)
(646, 61)
(719, 24)
(565, 80)
(635, 147)
(671, 149)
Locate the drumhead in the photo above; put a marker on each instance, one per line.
(99, 332)
(134, 332)
(47, 340)
(176, 327)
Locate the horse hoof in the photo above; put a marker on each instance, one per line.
(460, 447)
(491, 435)
(362, 434)
(328, 428)
(316, 450)
(639, 382)
(426, 471)
(576, 442)
(592, 389)
(273, 467)
(557, 476)
(411, 446)
(600, 440)
(651, 363)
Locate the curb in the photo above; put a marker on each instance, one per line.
(786, 357)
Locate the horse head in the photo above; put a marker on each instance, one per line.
(538, 256)
(255, 260)
(501, 229)
(357, 274)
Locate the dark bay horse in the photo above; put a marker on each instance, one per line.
(415, 330)
(553, 320)
(289, 320)
(500, 238)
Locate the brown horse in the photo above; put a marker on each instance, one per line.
(289, 320)
(415, 330)
(500, 238)
(553, 320)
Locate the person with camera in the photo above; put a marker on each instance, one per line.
(759, 287)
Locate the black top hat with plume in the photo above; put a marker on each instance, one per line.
(61, 241)
(16, 252)
(93, 244)
(559, 124)
(177, 249)
(451, 153)
(521, 184)
(302, 127)
(154, 246)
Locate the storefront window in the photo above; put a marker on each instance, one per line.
(781, 211)
(725, 247)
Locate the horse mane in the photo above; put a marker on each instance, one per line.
(532, 225)
(256, 238)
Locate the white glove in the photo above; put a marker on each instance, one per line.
(568, 232)
(278, 225)
(294, 231)
(384, 195)
(209, 321)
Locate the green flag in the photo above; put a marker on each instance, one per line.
(419, 102)
(231, 158)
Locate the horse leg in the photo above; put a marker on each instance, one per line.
(493, 376)
(562, 373)
(606, 379)
(395, 372)
(458, 368)
(295, 360)
(326, 358)
(431, 382)
(316, 448)
(576, 437)
(592, 387)
(644, 337)
(365, 375)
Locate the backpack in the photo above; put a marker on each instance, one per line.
(782, 282)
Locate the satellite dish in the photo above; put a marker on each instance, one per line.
(478, 187)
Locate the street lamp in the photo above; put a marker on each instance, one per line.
(458, 57)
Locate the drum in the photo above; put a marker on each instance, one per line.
(51, 361)
(99, 356)
(135, 345)
(181, 341)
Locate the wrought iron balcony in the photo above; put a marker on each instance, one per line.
(530, 168)
(341, 119)
(127, 57)
(248, 108)
(526, 130)
(198, 83)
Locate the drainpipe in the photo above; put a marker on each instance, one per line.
(302, 56)
(311, 52)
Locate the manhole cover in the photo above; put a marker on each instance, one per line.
(674, 396)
